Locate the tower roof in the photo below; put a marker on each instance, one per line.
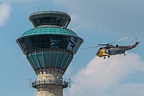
(50, 31)
(50, 18)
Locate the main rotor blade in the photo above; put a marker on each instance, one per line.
(90, 47)
(103, 44)
(108, 44)
(119, 40)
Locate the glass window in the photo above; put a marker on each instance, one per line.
(72, 42)
(64, 42)
(54, 42)
(48, 41)
(50, 21)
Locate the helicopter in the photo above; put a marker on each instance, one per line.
(110, 49)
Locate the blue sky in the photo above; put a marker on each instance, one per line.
(96, 21)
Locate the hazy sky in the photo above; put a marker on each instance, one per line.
(96, 21)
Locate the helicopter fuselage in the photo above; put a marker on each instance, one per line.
(114, 50)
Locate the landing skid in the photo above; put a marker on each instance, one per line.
(105, 57)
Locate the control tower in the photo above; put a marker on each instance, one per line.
(49, 47)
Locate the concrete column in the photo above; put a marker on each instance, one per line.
(51, 84)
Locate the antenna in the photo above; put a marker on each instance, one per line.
(37, 5)
(30, 82)
(69, 83)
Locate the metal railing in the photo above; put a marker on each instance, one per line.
(43, 83)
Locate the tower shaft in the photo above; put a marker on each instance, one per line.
(50, 85)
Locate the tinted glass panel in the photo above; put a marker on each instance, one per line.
(47, 41)
(50, 21)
